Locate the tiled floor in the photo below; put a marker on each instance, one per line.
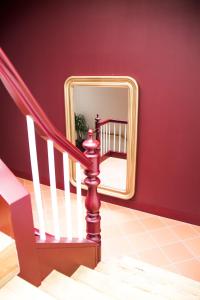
(163, 242)
(109, 173)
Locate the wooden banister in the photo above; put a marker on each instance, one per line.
(100, 122)
(92, 201)
(55, 250)
(105, 121)
(29, 106)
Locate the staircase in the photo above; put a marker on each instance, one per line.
(124, 278)
(41, 255)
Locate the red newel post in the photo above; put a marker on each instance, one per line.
(97, 127)
(92, 181)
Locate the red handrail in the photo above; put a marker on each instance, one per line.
(29, 106)
(105, 121)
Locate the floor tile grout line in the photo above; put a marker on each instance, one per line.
(163, 252)
(166, 226)
(189, 249)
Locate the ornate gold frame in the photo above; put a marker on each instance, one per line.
(107, 81)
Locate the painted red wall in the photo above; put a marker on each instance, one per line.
(157, 43)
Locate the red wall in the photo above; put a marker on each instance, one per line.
(157, 43)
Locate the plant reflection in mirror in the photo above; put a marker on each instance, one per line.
(81, 128)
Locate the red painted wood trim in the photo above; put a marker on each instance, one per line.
(116, 154)
(29, 106)
(18, 206)
(66, 256)
(51, 242)
(113, 154)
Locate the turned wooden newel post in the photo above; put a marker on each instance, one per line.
(92, 181)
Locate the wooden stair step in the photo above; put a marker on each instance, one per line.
(6, 294)
(145, 282)
(9, 265)
(64, 287)
(161, 276)
(18, 288)
(111, 286)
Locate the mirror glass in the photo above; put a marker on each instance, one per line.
(109, 107)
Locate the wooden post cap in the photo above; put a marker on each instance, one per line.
(90, 144)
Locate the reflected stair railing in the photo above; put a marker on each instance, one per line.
(112, 137)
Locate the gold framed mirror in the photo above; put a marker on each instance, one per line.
(115, 100)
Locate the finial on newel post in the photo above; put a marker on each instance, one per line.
(92, 181)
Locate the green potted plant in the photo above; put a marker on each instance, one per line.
(81, 128)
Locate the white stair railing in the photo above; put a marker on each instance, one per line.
(54, 199)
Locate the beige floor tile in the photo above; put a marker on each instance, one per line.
(140, 242)
(172, 268)
(141, 214)
(110, 231)
(152, 223)
(184, 231)
(177, 252)
(196, 227)
(154, 256)
(170, 222)
(190, 268)
(163, 236)
(132, 227)
(115, 247)
(194, 245)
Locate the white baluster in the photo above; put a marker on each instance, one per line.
(124, 138)
(68, 210)
(54, 201)
(120, 129)
(114, 138)
(109, 137)
(106, 137)
(101, 141)
(79, 201)
(35, 175)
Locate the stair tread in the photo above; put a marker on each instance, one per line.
(162, 275)
(8, 259)
(22, 290)
(147, 282)
(6, 294)
(112, 286)
(5, 241)
(60, 285)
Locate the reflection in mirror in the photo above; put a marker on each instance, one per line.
(105, 110)
(108, 105)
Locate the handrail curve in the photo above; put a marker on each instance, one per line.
(29, 106)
